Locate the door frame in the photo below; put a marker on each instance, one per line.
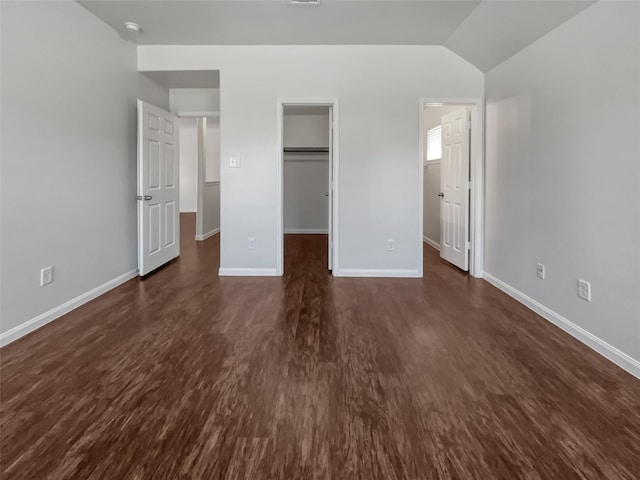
(476, 197)
(334, 165)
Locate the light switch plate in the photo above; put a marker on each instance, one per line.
(234, 162)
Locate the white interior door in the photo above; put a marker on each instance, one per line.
(455, 186)
(330, 206)
(158, 188)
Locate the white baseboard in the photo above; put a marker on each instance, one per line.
(307, 230)
(247, 272)
(56, 312)
(208, 234)
(187, 211)
(610, 352)
(433, 243)
(368, 273)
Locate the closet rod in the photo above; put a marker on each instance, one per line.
(306, 149)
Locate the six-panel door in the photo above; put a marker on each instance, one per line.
(158, 188)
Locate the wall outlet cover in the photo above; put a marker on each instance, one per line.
(540, 271)
(584, 290)
(46, 276)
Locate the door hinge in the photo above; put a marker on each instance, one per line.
(468, 245)
(468, 185)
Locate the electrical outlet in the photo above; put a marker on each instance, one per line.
(46, 276)
(234, 162)
(584, 290)
(540, 271)
(391, 245)
(252, 243)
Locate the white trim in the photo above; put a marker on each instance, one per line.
(212, 182)
(187, 211)
(201, 160)
(280, 188)
(199, 238)
(610, 352)
(56, 312)
(433, 243)
(199, 114)
(248, 272)
(432, 162)
(476, 205)
(328, 102)
(370, 272)
(307, 230)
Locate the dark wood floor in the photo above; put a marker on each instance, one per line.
(187, 375)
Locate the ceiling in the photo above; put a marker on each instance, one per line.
(483, 32)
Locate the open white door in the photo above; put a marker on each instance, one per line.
(455, 185)
(330, 190)
(158, 188)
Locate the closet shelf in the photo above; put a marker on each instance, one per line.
(306, 149)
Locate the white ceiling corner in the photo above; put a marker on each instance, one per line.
(499, 29)
(485, 33)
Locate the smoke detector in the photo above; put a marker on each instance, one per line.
(132, 27)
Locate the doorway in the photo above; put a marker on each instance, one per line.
(451, 179)
(307, 173)
(200, 173)
(199, 112)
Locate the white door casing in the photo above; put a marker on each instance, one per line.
(330, 190)
(158, 188)
(455, 186)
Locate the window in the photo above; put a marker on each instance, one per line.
(434, 143)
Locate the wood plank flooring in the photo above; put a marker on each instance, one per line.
(187, 375)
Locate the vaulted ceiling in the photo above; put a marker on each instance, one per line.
(483, 32)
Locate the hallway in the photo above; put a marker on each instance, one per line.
(189, 375)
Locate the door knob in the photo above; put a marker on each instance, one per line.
(326, 194)
(441, 194)
(143, 197)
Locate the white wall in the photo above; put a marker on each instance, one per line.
(207, 193)
(188, 164)
(189, 159)
(306, 175)
(211, 189)
(306, 130)
(379, 89)
(306, 208)
(211, 214)
(194, 101)
(431, 201)
(212, 149)
(69, 89)
(563, 173)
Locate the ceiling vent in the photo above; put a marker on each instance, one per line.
(303, 2)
